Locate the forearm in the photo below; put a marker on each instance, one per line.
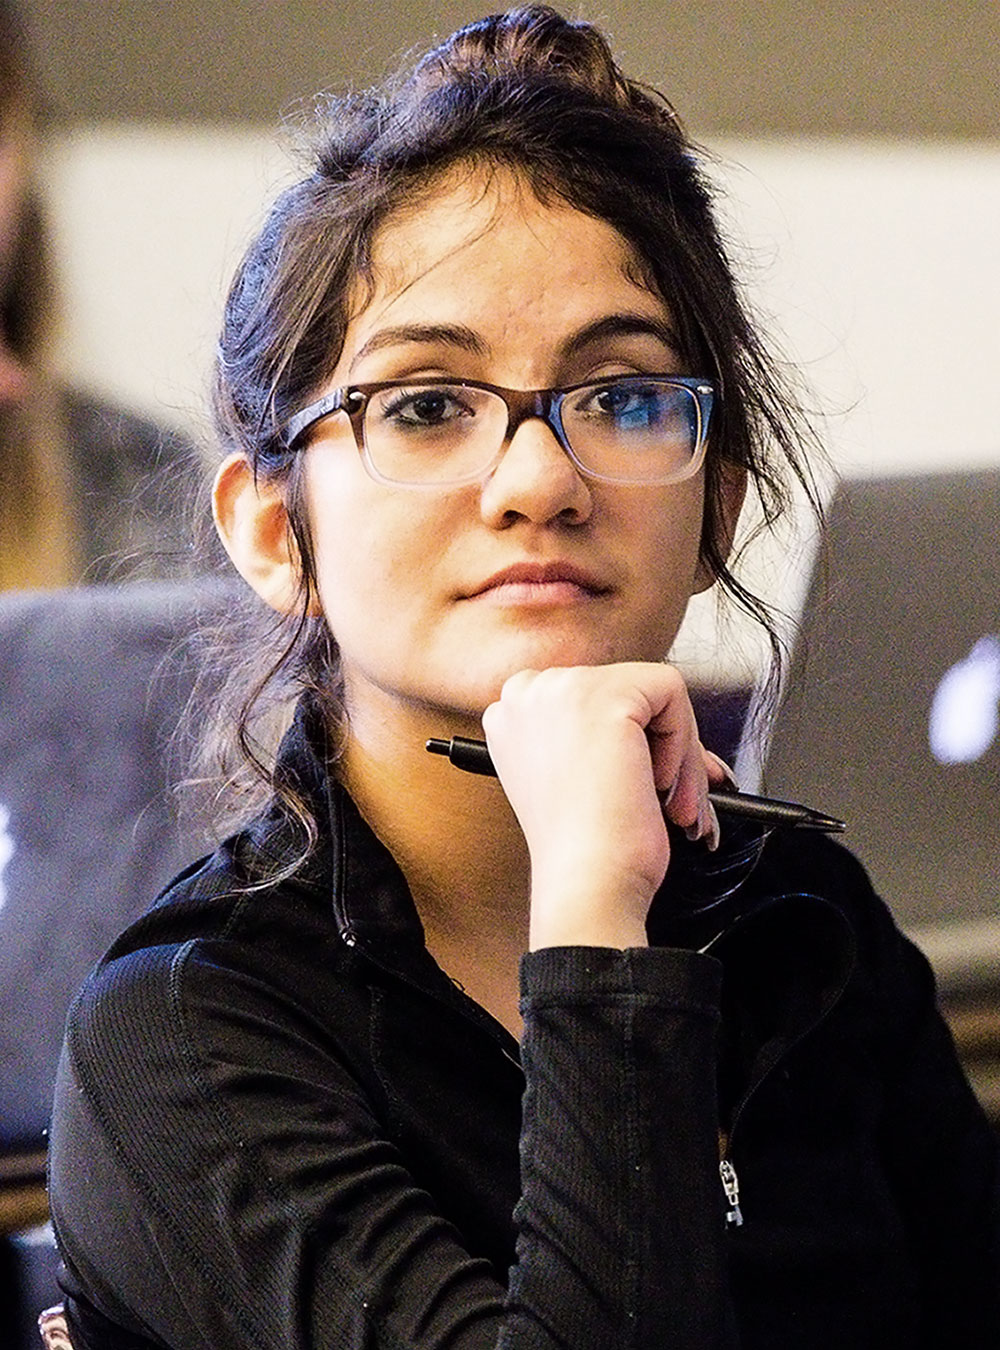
(621, 1226)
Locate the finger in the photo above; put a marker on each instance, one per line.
(681, 761)
(719, 772)
(675, 749)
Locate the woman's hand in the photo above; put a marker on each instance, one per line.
(592, 758)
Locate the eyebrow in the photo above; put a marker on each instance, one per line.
(468, 340)
(622, 325)
(427, 334)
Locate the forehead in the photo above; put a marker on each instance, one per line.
(476, 227)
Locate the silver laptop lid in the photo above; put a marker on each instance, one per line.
(891, 716)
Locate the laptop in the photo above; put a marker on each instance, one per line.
(890, 718)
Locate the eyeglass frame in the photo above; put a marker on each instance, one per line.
(522, 405)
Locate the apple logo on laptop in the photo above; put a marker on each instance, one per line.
(965, 710)
(6, 850)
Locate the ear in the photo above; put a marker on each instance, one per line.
(253, 525)
(731, 490)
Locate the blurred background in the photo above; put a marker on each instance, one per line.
(858, 147)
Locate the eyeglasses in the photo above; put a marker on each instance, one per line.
(649, 429)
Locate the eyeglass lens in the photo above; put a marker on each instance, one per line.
(630, 430)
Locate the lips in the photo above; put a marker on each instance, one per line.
(542, 575)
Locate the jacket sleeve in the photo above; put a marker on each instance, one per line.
(621, 1221)
(223, 1181)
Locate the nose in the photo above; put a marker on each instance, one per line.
(535, 480)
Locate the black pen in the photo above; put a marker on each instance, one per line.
(474, 757)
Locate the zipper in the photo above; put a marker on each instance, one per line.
(731, 1186)
(727, 1172)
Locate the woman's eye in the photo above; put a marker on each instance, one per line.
(625, 402)
(418, 408)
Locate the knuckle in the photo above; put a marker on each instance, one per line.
(517, 684)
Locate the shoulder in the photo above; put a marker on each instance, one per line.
(814, 866)
(810, 863)
(889, 975)
(216, 990)
(215, 1061)
(219, 941)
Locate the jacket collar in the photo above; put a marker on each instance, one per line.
(787, 954)
(370, 898)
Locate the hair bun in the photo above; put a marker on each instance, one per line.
(533, 41)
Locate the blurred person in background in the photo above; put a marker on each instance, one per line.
(68, 462)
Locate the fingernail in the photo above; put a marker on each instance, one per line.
(713, 833)
(731, 780)
(706, 827)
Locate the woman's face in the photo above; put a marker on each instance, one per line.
(436, 596)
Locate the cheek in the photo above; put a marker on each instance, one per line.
(367, 543)
(344, 542)
(667, 535)
(665, 562)
(356, 565)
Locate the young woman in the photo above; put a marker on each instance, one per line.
(424, 1059)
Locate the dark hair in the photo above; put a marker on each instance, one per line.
(533, 92)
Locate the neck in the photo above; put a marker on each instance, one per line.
(456, 840)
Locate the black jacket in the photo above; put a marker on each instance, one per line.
(278, 1123)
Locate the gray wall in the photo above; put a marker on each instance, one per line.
(777, 67)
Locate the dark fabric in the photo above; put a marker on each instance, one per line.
(30, 1261)
(278, 1123)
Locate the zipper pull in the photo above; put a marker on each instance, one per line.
(731, 1185)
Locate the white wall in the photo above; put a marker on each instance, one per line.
(148, 226)
(879, 262)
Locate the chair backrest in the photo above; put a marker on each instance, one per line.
(92, 682)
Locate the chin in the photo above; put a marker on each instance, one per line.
(483, 687)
